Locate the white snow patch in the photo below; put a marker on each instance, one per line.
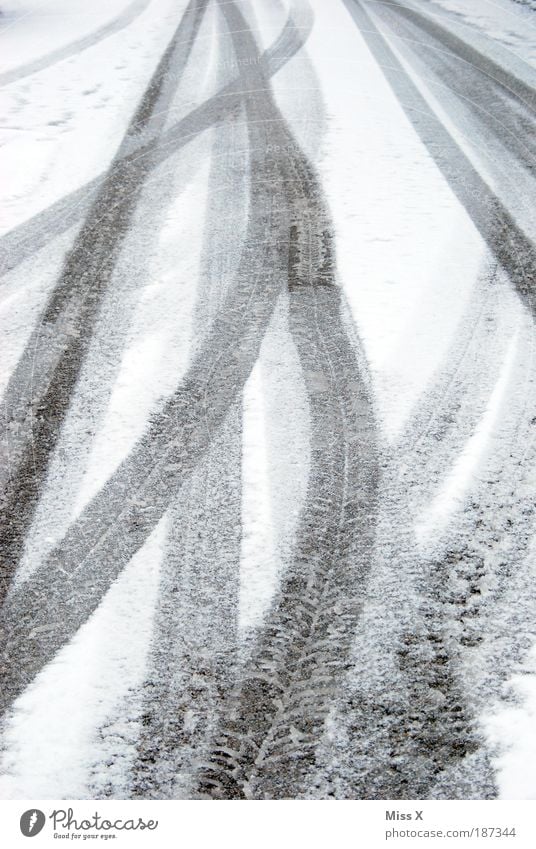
(510, 731)
(60, 128)
(276, 440)
(30, 29)
(52, 736)
(23, 294)
(259, 565)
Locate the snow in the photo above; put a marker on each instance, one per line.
(141, 350)
(258, 567)
(510, 730)
(37, 27)
(159, 348)
(464, 474)
(408, 259)
(90, 692)
(61, 128)
(408, 255)
(510, 22)
(492, 159)
(23, 294)
(275, 440)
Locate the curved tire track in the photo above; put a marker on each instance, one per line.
(25, 239)
(272, 723)
(43, 613)
(194, 641)
(40, 389)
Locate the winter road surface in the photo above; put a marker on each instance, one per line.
(268, 442)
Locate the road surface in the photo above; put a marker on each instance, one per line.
(268, 432)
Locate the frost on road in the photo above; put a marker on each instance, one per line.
(268, 432)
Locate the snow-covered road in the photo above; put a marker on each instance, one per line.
(268, 388)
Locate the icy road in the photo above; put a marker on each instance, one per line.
(268, 432)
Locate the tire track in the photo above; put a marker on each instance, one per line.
(475, 62)
(271, 724)
(40, 389)
(492, 117)
(133, 11)
(488, 592)
(193, 648)
(442, 629)
(509, 244)
(43, 613)
(267, 745)
(404, 724)
(21, 242)
(195, 636)
(410, 719)
(450, 413)
(34, 375)
(402, 718)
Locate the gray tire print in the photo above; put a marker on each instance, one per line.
(387, 632)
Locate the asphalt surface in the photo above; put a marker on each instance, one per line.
(359, 682)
